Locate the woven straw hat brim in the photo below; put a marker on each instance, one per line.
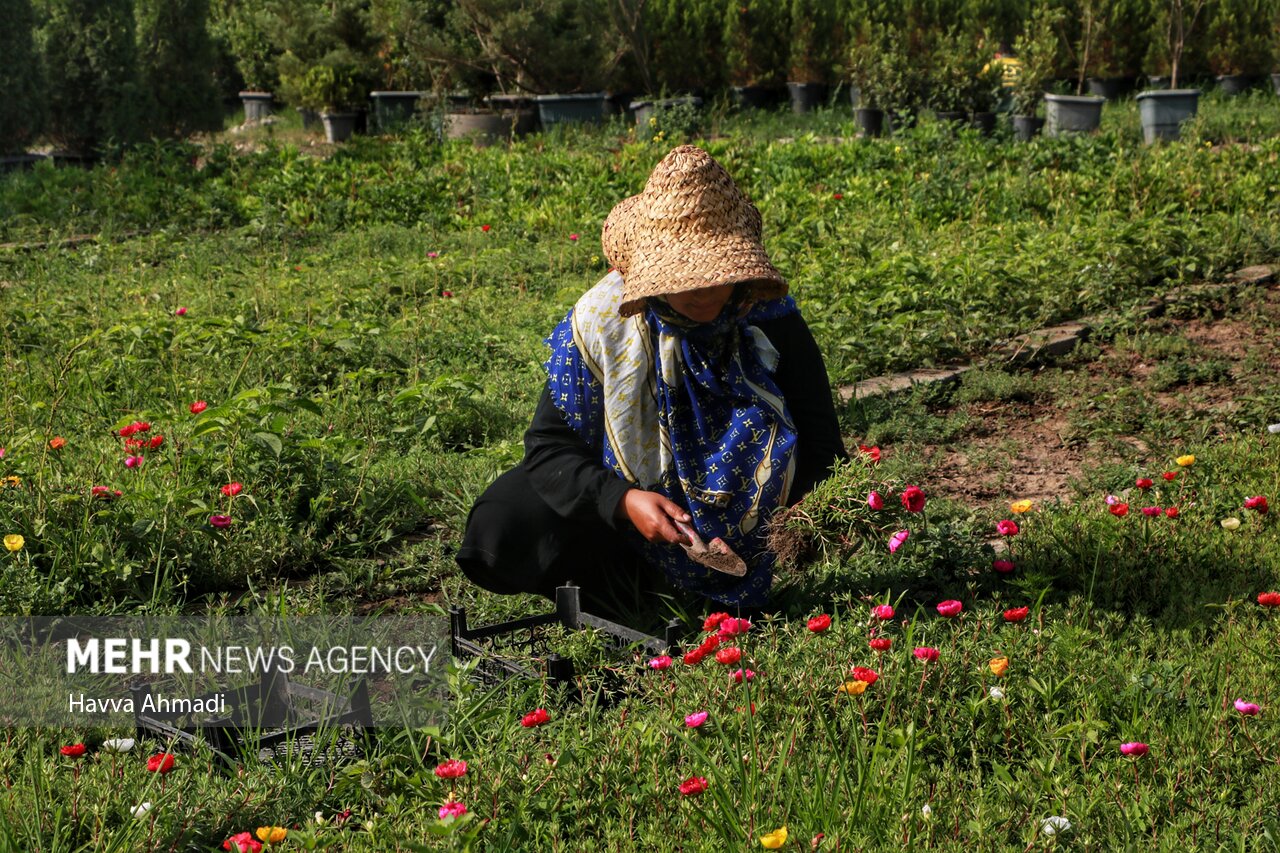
(618, 233)
(663, 269)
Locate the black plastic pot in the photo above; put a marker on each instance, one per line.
(1234, 84)
(393, 109)
(1163, 112)
(984, 122)
(1275, 83)
(758, 97)
(870, 122)
(1110, 87)
(559, 109)
(1072, 114)
(1027, 128)
(650, 107)
(807, 97)
(338, 127)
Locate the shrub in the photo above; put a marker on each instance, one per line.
(21, 77)
(91, 56)
(1237, 41)
(244, 27)
(176, 67)
(813, 41)
(687, 43)
(755, 42)
(1040, 50)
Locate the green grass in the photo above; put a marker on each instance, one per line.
(365, 392)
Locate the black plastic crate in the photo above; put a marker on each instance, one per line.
(500, 650)
(275, 719)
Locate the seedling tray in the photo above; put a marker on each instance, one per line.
(512, 649)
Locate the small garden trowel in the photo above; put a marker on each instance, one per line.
(715, 554)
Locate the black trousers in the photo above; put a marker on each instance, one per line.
(515, 542)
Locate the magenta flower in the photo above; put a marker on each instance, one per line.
(741, 675)
(897, 539)
(132, 461)
(1152, 511)
(1249, 709)
(433, 254)
(453, 809)
(181, 312)
(1112, 500)
(913, 499)
(882, 611)
(928, 654)
(573, 237)
(1002, 566)
(1006, 527)
(874, 500)
(220, 521)
(660, 662)
(1136, 749)
(734, 626)
(696, 719)
(950, 608)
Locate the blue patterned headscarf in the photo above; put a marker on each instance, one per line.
(689, 410)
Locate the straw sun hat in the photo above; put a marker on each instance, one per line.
(690, 228)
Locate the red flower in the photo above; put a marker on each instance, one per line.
(713, 621)
(950, 608)
(733, 626)
(913, 499)
(242, 842)
(1144, 483)
(75, 750)
(1006, 527)
(1016, 614)
(872, 453)
(143, 426)
(819, 623)
(1151, 511)
(1269, 599)
(882, 611)
(232, 489)
(57, 443)
(693, 786)
(484, 228)
(1002, 566)
(1171, 512)
(928, 654)
(861, 673)
(160, 763)
(1258, 503)
(709, 644)
(837, 196)
(451, 769)
(535, 718)
(741, 675)
(1119, 510)
(880, 644)
(156, 441)
(1137, 749)
(729, 655)
(694, 657)
(1170, 475)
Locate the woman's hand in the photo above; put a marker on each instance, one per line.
(651, 513)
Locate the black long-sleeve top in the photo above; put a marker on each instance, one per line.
(573, 480)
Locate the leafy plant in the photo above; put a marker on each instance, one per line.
(883, 67)
(1039, 48)
(813, 40)
(1235, 41)
(960, 77)
(176, 67)
(1172, 31)
(755, 41)
(21, 77)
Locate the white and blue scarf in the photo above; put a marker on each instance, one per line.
(686, 409)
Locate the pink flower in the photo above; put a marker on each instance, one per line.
(220, 521)
(433, 254)
(1269, 599)
(1006, 527)
(535, 718)
(913, 499)
(660, 662)
(453, 809)
(693, 786)
(181, 312)
(896, 540)
(729, 655)
(950, 608)
(1002, 566)
(198, 406)
(741, 675)
(882, 611)
(1170, 475)
(1249, 709)
(880, 644)
(446, 294)
(819, 623)
(1152, 511)
(132, 461)
(1112, 500)
(872, 453)
(696, 719)
(1135, 749)
(734, 626)
(451, 769)
(573, 237)
(1258, 503)
(874, 500)
(928, 654)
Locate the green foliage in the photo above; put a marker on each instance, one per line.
(91, 58)
(755, 41)
(328, 53)
(21, 77)
(960, 74)
(243, 27)
(815, 41)
(1039, 50)
(332, 87)
(887, 72)
(1237, 40)
(1122, 44)
(687, 39)
(175, 57)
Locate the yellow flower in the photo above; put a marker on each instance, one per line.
(852, 688)
(12, 481)
(998, 666)
(774, 839)
(1021, 506)
(14, 541)
(1184, 461)
(272, 834)
(1227, 523)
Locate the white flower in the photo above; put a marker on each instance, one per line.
(140, 810)
(118, 744)
(996, 693)
(1055, 824)
(926, 811)
(1274, 429)
(320, 818)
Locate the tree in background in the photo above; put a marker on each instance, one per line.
(755, 40)
(91, 57)
(21, 77)
(687, 42)
(176, 61)
(241, 30)
(1238, 38)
